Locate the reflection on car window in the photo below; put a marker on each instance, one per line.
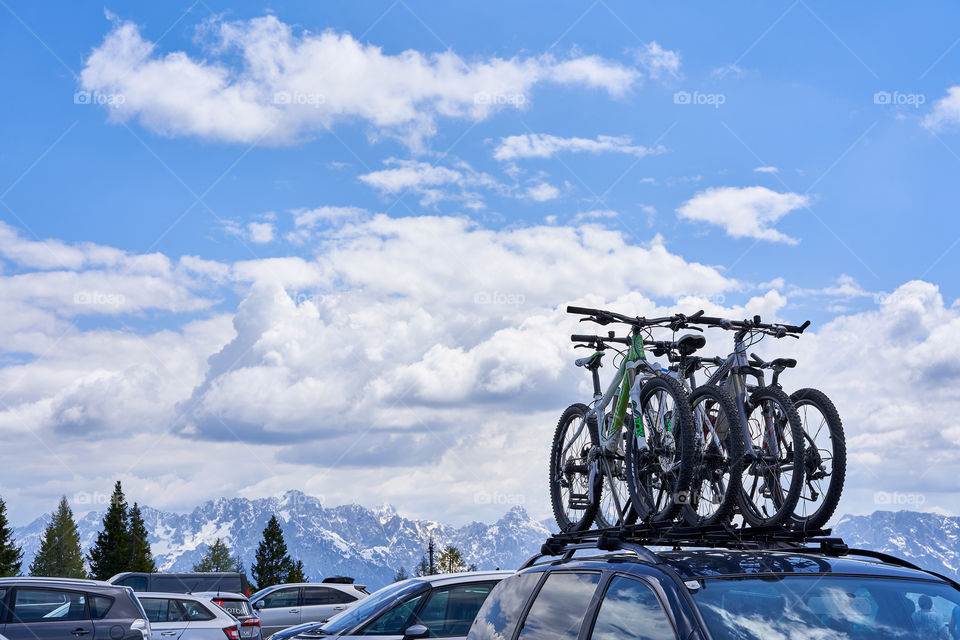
(346, 620)
(558, 610)
(194, 611)
(450, 610)
(838, 608)
(155, 608)
(393, 622)
(31, 605)
(631, 611)
(99, 605)
(282, 598)
(500, 613)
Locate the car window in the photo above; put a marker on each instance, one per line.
(449, 611)
(319, 595)
(155, 608)
(194, 611)
(137, 583)
(282, 598)
(99, 605)
(557, 612)
(631, 611)
(393, 621)
(236, 608)
(500, 613)
(33, 605)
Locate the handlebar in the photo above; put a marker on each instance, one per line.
(676, 321)
(598, 339)
(754, 323)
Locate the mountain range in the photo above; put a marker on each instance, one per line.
(372, 544)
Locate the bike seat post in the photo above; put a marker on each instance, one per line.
(597, 393)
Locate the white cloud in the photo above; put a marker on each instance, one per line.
(743, 212)
(432, 183)
(946, 111)
(542, 192)
(263, 81)
(261, 232)
(659, 62)
(542, 145)
(766, 170)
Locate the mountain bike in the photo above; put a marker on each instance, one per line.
(773, 461)
(825, 459)
(644, 442)
(718, 449)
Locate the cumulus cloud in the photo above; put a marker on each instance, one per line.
(743, 212)
(263, 81)
(542, 192)
(431, 182)
(542, 145)
(946, 111)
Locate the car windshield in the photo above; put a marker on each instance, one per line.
(834, 607)
(361, 611)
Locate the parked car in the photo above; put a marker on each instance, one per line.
(286, 605)
(807, 589)
(441, 606)
(183, 582)
(184, 616)
(239, 607)
(57, 608)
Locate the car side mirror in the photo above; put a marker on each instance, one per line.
(258, 604)
(416, 631)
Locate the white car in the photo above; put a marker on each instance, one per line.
(286, 605)
(181, 616)
(238, 606)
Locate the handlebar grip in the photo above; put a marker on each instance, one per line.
(755, 359)
(696, 316)
(580, 338)
(710, 320)
(586, 311)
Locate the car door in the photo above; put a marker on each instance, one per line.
(393, 623)
(48, 614)
(279, 609)
(167, 618)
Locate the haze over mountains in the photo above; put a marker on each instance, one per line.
(371, 544)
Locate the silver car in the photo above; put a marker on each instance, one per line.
(182, 616)
(287, 605)
(440, 606)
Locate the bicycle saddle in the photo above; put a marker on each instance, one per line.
(589, 362)
(689, 343)
(784, 363)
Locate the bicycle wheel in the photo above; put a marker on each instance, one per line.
(718, 457)
(825, 459)
(772, 480)
(570, 470)
(660, 456)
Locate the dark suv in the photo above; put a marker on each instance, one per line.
(781, 586)
(59, 608)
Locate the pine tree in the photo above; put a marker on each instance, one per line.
(400, 575)
(141, 557)
(218, 558)
(450, 560)
(296, 573)
(110, 554)
(11, 554)
(423, 569)
(59, 555)
(272, 565)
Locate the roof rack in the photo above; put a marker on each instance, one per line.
(637, 539)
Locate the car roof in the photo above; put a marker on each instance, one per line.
(171, 594)
(219, 594)
(692, 564)
(464, 576)
(60, 581)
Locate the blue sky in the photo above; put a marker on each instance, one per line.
(794, 159)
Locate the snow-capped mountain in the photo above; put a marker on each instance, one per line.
(929, 540)
(368, 544)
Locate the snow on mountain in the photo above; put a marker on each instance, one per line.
(368, 544)
(929, 540)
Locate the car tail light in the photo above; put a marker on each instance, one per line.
(250, 622)
(232, 632)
